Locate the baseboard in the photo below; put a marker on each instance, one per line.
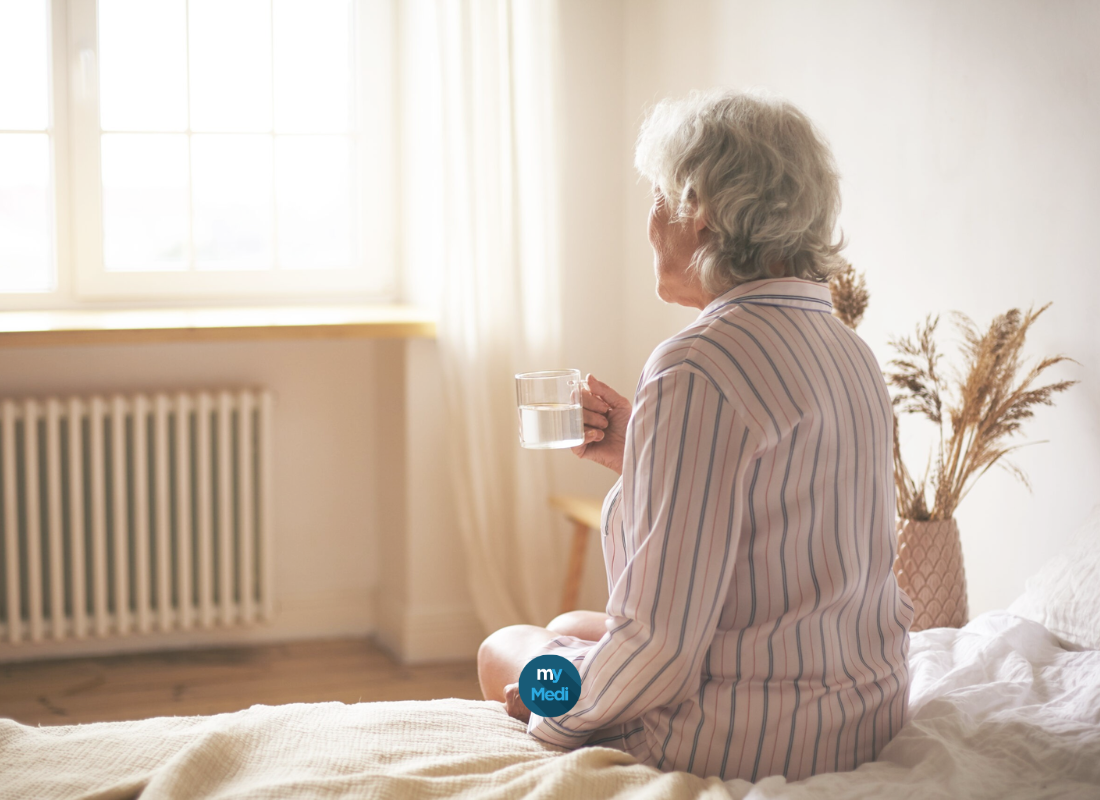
(328, 615)
(419, 636)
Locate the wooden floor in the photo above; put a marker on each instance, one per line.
(190, 682)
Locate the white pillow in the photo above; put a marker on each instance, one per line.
(1064, 595)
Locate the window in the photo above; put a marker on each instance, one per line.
(26, 143)
(217, 149)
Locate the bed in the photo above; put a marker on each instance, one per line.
(1006, 707)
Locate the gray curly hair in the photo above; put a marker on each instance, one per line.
(760, 174)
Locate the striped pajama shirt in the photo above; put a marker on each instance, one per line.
(754, 625)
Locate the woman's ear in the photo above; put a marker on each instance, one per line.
(700, 216)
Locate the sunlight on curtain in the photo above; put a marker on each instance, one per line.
(481, 163)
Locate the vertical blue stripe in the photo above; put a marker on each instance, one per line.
(786, 601)
(703, 509)
(733, 514)
(752, 614)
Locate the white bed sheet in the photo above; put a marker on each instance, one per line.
(998, 709)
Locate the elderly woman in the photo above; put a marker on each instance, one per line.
(754, 626)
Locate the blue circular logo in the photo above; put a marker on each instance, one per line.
(549, 685)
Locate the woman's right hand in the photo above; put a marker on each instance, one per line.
(606, 414)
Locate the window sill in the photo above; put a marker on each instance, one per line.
(84, 327)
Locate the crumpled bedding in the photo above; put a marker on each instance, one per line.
(998, 709)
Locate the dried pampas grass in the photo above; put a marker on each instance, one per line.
(850, 295)
(978, 410)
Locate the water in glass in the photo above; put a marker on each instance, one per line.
(551, 425)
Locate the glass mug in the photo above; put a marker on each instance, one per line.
(550, 413)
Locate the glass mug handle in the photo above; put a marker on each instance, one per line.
(574, 390)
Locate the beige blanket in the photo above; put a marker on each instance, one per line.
(441, 748)
(998, 710)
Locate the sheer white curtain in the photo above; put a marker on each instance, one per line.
(485, 77)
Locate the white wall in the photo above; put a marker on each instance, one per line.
(966, 135)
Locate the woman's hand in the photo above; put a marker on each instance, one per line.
(606, 413)
(513, 705)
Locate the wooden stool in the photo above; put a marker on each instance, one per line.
(584, 513)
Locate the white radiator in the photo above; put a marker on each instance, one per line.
(129, 514)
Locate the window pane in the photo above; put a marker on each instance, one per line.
(314, 200)
(145, 202)
(230, 65)
(143, 65)
(24, 77)
(312, 65)
(26, 232)
(231, 185)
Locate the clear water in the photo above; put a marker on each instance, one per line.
(551, 425)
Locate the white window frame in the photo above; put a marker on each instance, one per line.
(81, 279)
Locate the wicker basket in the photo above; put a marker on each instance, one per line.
(929, 569)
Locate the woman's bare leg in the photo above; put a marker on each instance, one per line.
(587, 625)
(504, 654)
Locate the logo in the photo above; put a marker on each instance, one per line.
(549, 686)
